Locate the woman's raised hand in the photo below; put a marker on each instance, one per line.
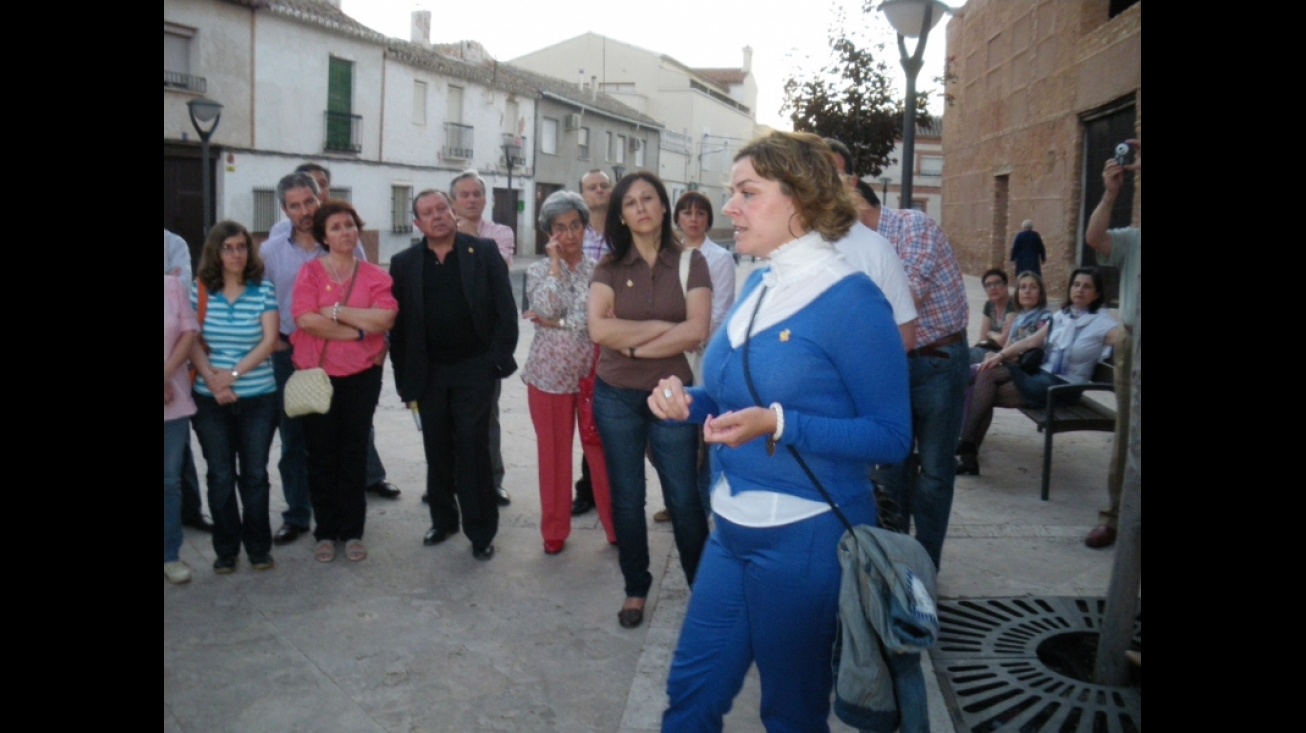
(669, 400)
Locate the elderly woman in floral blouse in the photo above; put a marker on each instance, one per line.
(561, 354)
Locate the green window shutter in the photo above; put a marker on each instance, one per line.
(340, 104)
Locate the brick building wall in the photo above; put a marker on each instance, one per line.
(1029, 79)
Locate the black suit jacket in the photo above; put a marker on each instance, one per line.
(489, 294)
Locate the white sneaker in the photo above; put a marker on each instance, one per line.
(177, 572)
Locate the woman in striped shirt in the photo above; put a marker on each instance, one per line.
(236, 392)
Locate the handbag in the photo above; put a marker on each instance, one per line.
(887, 613)
(1031, 362)
(589, 428)
(309, 391)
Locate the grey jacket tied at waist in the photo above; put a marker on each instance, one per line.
(887, 617)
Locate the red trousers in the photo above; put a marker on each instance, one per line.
(554, 417)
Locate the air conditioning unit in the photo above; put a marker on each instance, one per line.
(635, 144)
(573, 121)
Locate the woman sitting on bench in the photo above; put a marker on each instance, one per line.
(1072, 344)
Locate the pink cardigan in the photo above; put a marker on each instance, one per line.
(315, 289)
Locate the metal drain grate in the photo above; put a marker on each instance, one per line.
(1019, 664)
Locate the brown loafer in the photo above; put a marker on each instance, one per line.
(1101, 536)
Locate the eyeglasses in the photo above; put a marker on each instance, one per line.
(238, 249)
(994, 284)
(560, 229)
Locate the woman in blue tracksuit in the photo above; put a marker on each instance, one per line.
(809, 358)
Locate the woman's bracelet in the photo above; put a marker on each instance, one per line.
(774, 438)
(335, 313)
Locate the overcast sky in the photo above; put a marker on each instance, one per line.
(698, 33)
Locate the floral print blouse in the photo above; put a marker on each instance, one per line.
(559, 356)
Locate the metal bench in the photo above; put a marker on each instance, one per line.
(1054, 418)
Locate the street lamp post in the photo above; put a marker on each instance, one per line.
(885, 198)
(511, 149)
(911, 19)
(205, 114)
(618, 171)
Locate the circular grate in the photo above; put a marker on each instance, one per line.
(1023, 664)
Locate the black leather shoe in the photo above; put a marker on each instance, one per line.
(483, 552)
(967, 464)
(201, 523)
(436, 535)
(630, 618)
(581, 506)
(385, 490)
(287, 534)
(501, 495)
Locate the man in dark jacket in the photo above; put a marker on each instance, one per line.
(453, 339)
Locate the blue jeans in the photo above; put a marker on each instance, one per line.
(770, 596)
(236, 440)
(176, 436)
(626, 426)
(923, 486)
(294, 450)
(1033, 388)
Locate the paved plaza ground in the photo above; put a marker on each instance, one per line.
(420, 639)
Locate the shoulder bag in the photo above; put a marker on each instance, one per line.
(309, 391)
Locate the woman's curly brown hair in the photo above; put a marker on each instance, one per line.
(803, 166)
(210, 272)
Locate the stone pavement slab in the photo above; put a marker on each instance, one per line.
(428, 639)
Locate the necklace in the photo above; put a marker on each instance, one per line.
(335, 276)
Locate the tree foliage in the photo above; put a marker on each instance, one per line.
(853, 100)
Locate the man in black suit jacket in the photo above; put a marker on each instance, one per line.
(453, 339)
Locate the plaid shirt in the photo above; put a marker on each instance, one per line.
(595, 245)
(932, 272)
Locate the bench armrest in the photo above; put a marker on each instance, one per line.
(1066, 391)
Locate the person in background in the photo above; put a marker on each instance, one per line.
(596, 188)
(179, 333)
(939, 372)
(469, 199)
(377, 483)
(176, 262)
(1122, 248)
(343, 308)
(1032, 300)
(235, 393)
(645, 321)
(561, 355)
(998, 315)
(693, 217)
(1073, 343)
(789, 371)
(453, 342)
(1027, 251)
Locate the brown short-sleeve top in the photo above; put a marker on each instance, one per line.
(641, 293)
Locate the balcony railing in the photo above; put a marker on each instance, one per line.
(178, 80)
(343, 132)
(458, 141)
